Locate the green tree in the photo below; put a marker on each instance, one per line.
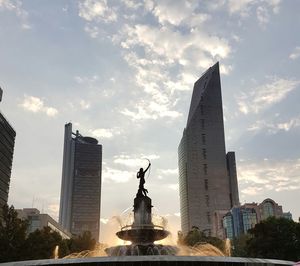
(85, 241)
(196, 237)
(275, 238)
(239, 245)
(12, 235)
(40, 244)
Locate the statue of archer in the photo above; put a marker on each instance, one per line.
(141, 175)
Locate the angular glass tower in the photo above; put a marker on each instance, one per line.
(7, 143)
(81, 184)
(207, 176)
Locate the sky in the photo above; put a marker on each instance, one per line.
(123, 72)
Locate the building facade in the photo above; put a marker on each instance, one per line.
(207, 176)
(7, 143)
(242, 218)
(80, 198)
(37, 221)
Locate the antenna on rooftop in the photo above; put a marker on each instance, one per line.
(33, 199)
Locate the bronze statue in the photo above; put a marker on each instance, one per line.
(141, 175)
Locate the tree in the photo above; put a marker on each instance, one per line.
(41, 244)
(239, 245)
(196, 237)
(275, 238)
(82, 242)
(12, 235)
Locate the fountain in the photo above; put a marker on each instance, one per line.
(142, 233)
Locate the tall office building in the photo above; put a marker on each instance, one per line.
(207, 176)
(81, 184)
(7, 143)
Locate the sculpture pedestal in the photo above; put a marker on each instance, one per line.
(142, 212)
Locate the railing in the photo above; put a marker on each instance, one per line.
(142, 226)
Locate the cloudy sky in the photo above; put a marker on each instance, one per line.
(123, 72)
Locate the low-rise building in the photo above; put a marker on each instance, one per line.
(39, 220)
(242, 218)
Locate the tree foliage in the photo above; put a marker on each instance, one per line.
(16, 245)
(41, 244)
(196, 237)
(82, 242)
(275, 238)
(239, 246)
(12, 235)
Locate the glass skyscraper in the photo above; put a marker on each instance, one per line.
(7, 143)
(207, 176)
(81, 184)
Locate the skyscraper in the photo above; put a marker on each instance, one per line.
(7, 143)
(81, 184)
(207, 176)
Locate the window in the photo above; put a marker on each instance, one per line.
(204, 153)
(206, 184)
(203, 138)
(208, 217)
(207, 200)
(202, 123)
(205, 168)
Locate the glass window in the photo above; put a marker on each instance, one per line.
(203, 138)
(206, 184)
(204, 153)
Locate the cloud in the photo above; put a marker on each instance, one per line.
(103, 133)
(164, 48)
(273, 128)
(116, 176)
(84, 105)
(169, 171)
(264, 96)
(134, 161)
(243, 8)
(152, 110)
(174, 186)
(104, 220)
(16, 7)
(177, 12)
(96, 10)
(268, 175)
(86, 80)
(173, 45)
(132, 4)
(251, 191)
(53, 210)
(295, 54)
(36, 105)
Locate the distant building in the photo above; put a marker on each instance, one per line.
(7, 143)
(81, 184)
(39, 220)
(269, 208)
(208, 184)
(242, 218)
(287, 215)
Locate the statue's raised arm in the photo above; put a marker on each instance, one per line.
(147, 167)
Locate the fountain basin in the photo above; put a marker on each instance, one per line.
(143, 234)
(141, 250)
(154, 261)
